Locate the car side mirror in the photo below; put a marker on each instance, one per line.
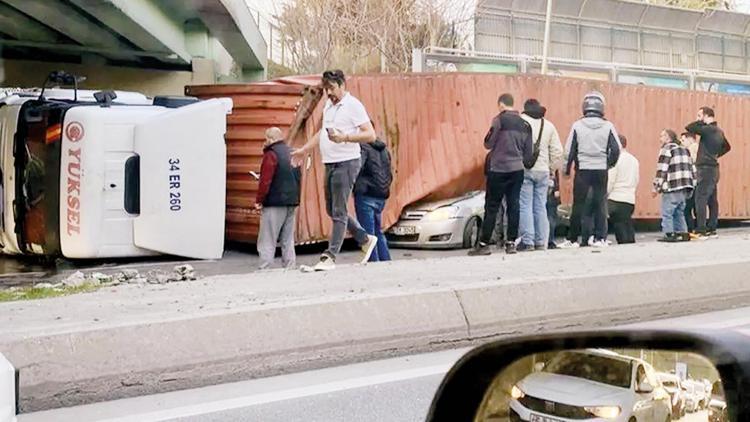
(645, 388)
(501, 380)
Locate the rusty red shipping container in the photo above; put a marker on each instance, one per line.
(434, 125)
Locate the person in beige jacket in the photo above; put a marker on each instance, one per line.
(534, 225)
(621, 188)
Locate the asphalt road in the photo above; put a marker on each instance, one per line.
(396, 390)
(238, 259)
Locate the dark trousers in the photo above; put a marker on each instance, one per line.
(588, 219)
(340, 178)
(594, 182)
(690, 214)
(499, 186)
(552, 217)
(621, 220)
(707, 196)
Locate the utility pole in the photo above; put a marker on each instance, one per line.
(545, 48)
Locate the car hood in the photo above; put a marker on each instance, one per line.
(433, 205)
(571, 390)
(718, 404)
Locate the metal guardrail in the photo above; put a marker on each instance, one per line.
(523, 61)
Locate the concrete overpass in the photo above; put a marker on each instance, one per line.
(156, 46)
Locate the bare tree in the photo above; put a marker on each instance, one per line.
(370, 35)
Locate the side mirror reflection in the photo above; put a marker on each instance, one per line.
(617, 385)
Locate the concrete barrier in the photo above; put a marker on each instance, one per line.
(7, 391)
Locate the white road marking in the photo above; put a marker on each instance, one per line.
(295, 393)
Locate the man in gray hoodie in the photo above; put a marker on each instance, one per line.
(593, 147)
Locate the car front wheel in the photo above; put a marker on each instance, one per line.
(471, 232)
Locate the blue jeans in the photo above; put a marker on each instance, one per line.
(369, 214)
(534, 225)
(673, 212)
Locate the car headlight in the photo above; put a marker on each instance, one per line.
(516, 393)
(442, 214)
(606, 412)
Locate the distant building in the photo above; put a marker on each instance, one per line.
(615, 40)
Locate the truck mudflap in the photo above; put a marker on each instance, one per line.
(183, 180)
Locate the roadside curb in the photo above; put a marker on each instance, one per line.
(92, 365)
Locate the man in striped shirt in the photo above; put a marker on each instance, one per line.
(675, 181)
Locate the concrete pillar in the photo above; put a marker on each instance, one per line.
(252, 75)
(203, 72)
(197, 39)
(417, 60)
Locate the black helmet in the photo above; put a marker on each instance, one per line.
(593, 102)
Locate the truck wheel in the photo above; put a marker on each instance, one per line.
(471, 232)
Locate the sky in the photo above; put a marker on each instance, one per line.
(268, 7)
(744, 5)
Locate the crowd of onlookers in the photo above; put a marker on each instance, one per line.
(526, 158)
(523, 168)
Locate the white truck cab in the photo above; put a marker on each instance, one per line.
(86, 175)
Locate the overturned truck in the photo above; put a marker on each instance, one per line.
(111, 174)
(434, 125)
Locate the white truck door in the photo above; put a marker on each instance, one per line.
(183, 180)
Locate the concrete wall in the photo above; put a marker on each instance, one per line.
(16, 73)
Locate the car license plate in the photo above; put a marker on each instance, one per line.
(540, 418)
(404, 230)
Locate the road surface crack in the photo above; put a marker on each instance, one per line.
(463, 312)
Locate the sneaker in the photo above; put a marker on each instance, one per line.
(599, 244)
(569, 245)
(712, 234)
(368, 248)
(522, 247)
(552, 245)
(482, 249)
(683, 237)
(701, 236)
(326, 263)
(510, 248)
(668, 238)
(540, 248)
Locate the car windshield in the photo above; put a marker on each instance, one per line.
(669, 383)
(602, 369)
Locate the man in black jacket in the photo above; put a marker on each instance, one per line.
(371, 190)
(278, 197)
(511, 151)
(713, 144)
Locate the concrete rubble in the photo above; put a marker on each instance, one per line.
(179, 273)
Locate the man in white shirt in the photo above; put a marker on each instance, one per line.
(346, 124)
(622, 184)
